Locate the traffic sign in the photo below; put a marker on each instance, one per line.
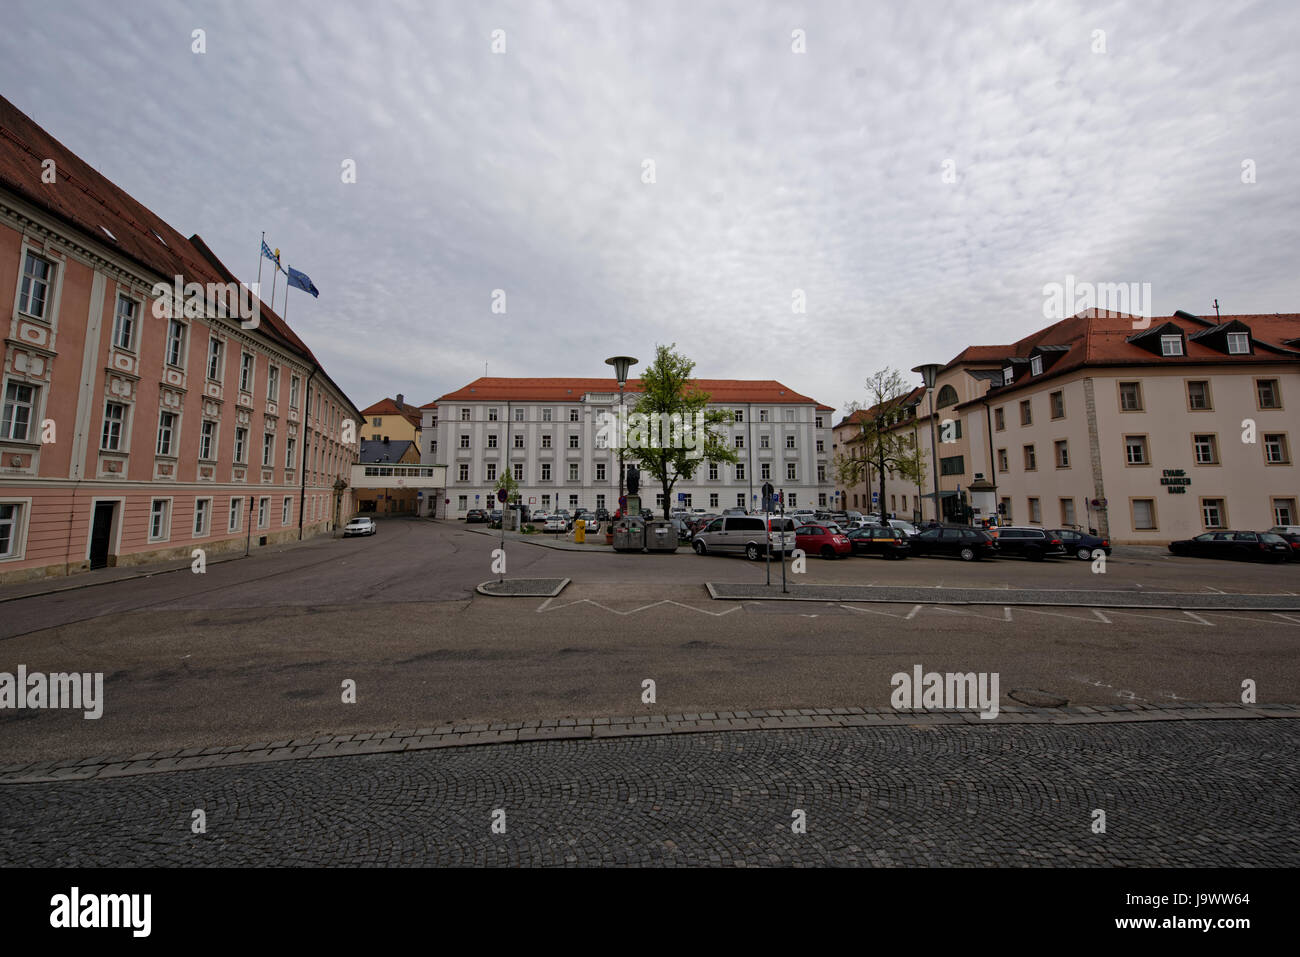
(501, 495)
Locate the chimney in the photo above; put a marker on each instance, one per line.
(400, 397)
(385, 440)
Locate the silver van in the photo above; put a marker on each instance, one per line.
(748, 535)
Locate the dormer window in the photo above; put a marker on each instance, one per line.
(1238, 343)
(1171, 345)
(1007, 375)
(1036, 365)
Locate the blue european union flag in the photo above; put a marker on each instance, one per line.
(299, 280)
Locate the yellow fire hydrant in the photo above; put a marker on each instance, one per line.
(580, 531)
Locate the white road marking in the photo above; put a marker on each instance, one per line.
(1134, 614)
(1100, 616)
(1057, 614)
(912, 614)
(1290, 618)
(633, 611)
(871, 611)
(1195, 617)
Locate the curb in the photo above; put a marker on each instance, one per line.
(513, 732)
(483, 588)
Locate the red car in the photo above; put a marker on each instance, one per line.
(819, 540)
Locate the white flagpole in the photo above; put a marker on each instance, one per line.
(260, 257)
(285, 315)
(275, 274)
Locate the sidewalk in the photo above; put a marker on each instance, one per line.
(563, 543)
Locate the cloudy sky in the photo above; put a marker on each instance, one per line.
(916, 175)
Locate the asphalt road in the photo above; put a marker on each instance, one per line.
(260, 648)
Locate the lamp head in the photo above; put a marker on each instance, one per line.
(621, 364)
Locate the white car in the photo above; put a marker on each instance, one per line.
(360, 526)
(556, 523)
(906, 528)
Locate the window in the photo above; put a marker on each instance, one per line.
(1036, 365)
(236, 515)
(214, 359)
(952, 465)
(268, 450)
(241, 446)
(1213, 513)
(600, 501)
(1008, 375)
(821, 474)
(740, 441)
(114, 419)
(794, 500)
(573, 471)
(175, 343)
(1268, 394)
(124, 324)
(207, 439)
(821, 499)
(462, 473)
(790, 415)
(1284, 513)
(713, 500)
(1144, 514)
(290, 452)
(1058, 405)
(20, 405)
(246, 363)
(1067, 511)
(764, 442)
(1130, 397)
(518, 441)
(1238, 343)
(573, 441)
(546, 414)
(286, 510)
(1003, 461)
(546, 472)
(1004, 508)
(433, 446)
(791, 472)
(462, 502)
(519, 415)
(789, 441)
(202, 514)
(166, 433)
(1198, 396)
(762, 415)
(765, 470)
(1206, 448)
(273, 384)
(713, 471)
(1035, 511)
(491, 475)
(492, 415)
(38, 274)
(492, 440)
(739, 415)
(817, 422)
(464, 415)
(519, 471)
(1171, 345)
(293, 391)
(546, 441)
(464, 440)
(1062, 454)
(1275, 449)
(573, 415)
(263, 510)
(999, 420)
(821, 445)
(1135, 449)
(740, 500)
(740, 477)
(159, 510)
(1026, 413)
(1031, 460)
(600, 472)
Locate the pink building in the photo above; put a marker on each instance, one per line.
(136, 427)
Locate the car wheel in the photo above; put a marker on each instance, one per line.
(699, 547)
(828, 552)
(1034, 554)
(967, 554)
(751, 552)
(1084, 554)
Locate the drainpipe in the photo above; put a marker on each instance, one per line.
(993, 465)
(306, 440)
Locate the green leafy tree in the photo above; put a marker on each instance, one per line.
(668, 390)
(886, 443)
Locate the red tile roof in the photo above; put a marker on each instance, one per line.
(571, 390)
(86, 201)
(861, 416)
(388, 406)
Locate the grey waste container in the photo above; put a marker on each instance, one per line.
(660, 536)
(629, 535)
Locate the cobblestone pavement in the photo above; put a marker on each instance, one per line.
(1174, 794)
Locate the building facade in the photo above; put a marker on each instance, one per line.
(392, 419)
(388, 501)
(546, 431)
(138, 425)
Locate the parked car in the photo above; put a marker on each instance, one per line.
(494, 515)
(1239, 546)
(852, 516)
(556, 523)
(1028, 542)
(1291, 535)
(602, 515)
(476, 516)
(879, 540)
(907, 528)
(734, 510)
(822, 540)
(697, 522)
(749, 535)
(683, 528)
(360, 526)
(968, 544)
(537, 517)
(1081, 544)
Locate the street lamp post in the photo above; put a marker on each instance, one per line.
(621, 365)
(929, 371)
